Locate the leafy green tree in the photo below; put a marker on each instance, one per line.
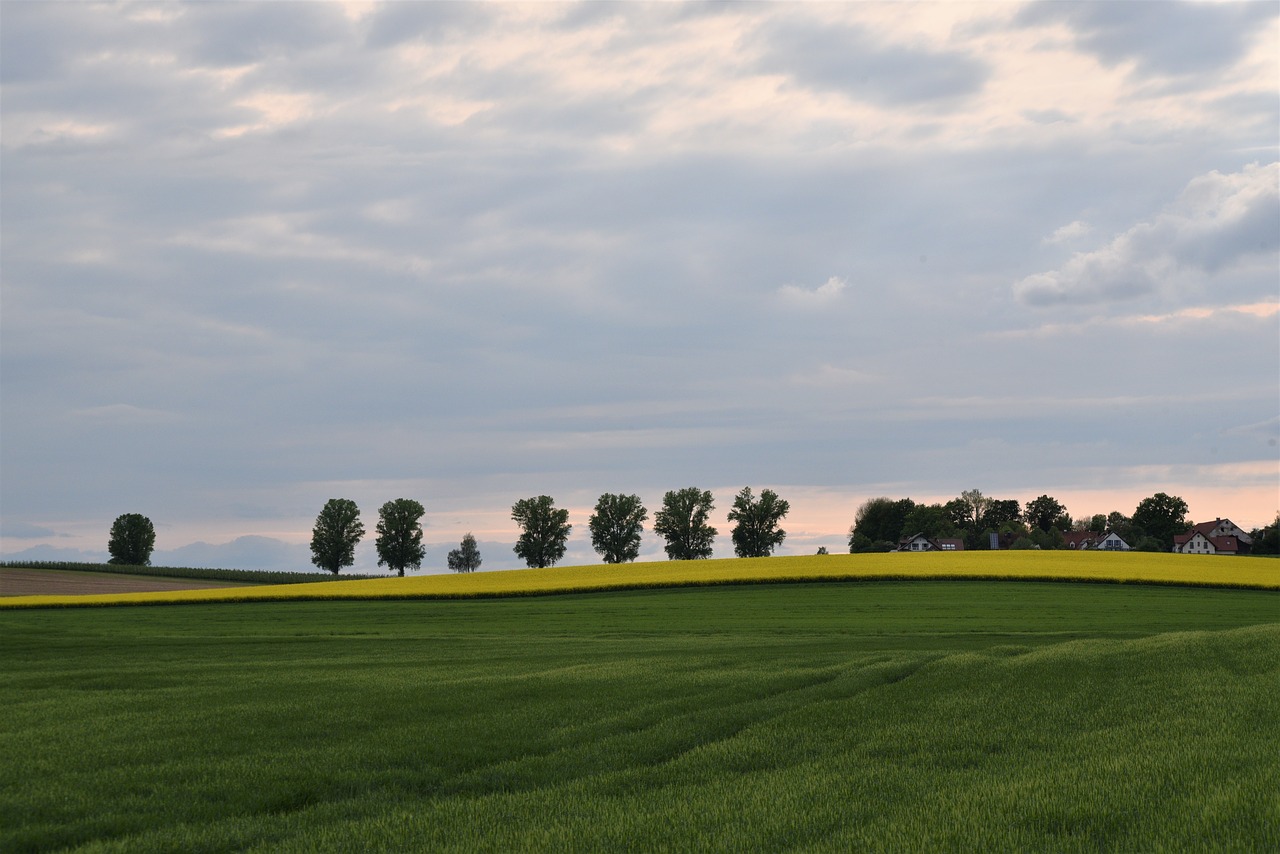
(1097, 524)
(859, 544)
(757, 533)
(973, 505)
(1050, 539)
(616, 526)
(932, 520)
(1122, 525)
(465, 558)
(1045, 513)
(1266, 541)
(545, 531)
(337, 530)
(682, 522)
(399, 529)
(1000, 514)
(879, 520)
(1161, 517)
(132, 540)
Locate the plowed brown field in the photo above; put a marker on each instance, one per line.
(61, 582)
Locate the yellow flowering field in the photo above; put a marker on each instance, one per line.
(1029, 565)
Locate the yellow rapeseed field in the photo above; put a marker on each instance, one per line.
(1029, 565)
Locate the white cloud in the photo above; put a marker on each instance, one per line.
(1069, 232)
(1217, 222)
(824, 294)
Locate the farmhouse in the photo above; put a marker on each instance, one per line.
(921, 543)
(1196, 543)
(1223, 528)
(1110, 541)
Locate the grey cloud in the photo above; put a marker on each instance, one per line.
(233, 34)
(394, 23)
(1167, 38)
(24, 530)
(848, 60)
(1217, 222)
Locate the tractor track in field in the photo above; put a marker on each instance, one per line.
(16, 581)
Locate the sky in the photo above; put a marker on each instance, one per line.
(254, 256)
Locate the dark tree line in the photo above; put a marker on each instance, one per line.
(881, 523)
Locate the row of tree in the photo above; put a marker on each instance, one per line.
(881, 523)
(617, 523)
(616, 526)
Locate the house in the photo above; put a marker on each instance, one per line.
(1222, 528)
(1080, 540)
(1197, 543)
(1109, 542)
(1112, 542)
(921, 543)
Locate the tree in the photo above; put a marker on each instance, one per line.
(1000, 514)
(465, 558)
(545, 531)
(132, 540)
(1161, 517)
(1097, 523)
(1266, 541)
(757, 533)
(616, 526)
(879, 520)
(682, 521)
(932, 520)
(973, 504)
(1045, 513)
(333, 540)
(400, 534)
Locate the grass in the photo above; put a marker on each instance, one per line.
(883, 715)
(1143, 568)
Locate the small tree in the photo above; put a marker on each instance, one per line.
(399, 529)
(616, 526)
(465, 558)
(682, 522)
(333, 540)
(546, 530)
(757, 533)
(132, 540)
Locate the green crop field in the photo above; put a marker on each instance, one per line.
(903, 715)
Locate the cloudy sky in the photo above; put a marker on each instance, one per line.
(256, 256)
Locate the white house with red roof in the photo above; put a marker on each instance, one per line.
(1219, 537)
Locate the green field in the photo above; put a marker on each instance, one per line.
(874, 715)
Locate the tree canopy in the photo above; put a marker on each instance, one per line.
(399, 529)
(881, 520)
(1045, 513)
(757, 533)
(465, 558)
(1161, 517)
(545, 531)
(682, 522)
(132, 540)
(616, 526)
(337, 530)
